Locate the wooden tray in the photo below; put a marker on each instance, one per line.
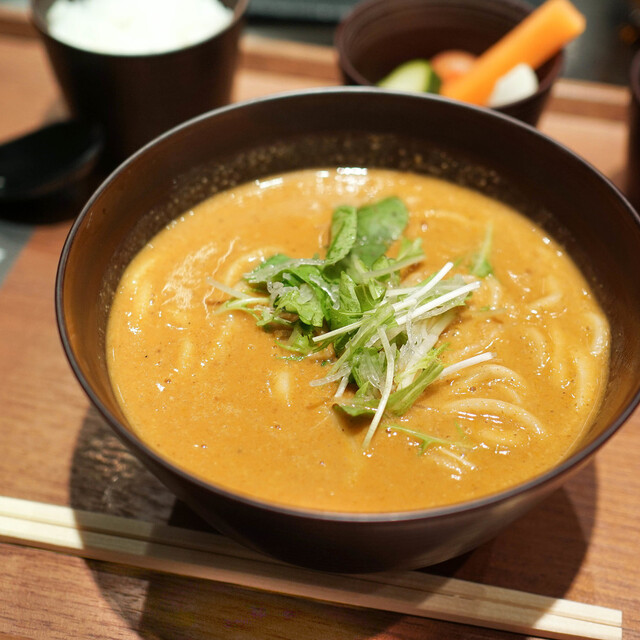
(582, 543)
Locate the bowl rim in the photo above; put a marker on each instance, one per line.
(572, 462)
(346, 64)
(40, 24)
(634, 77)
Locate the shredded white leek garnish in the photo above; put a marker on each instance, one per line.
(384, 335)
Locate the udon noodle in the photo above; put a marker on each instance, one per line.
(217, 394)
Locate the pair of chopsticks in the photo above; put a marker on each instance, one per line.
(209, 556)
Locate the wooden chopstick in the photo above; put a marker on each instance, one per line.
(213, 557)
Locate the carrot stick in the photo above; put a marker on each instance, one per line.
(536, 39)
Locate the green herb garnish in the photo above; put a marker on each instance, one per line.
(427, 440)
(480, 265)
(383, 334)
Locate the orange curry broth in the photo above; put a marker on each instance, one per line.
(217, 396)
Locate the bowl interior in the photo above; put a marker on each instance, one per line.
(354, 127)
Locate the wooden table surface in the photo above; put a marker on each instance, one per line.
(582, 543)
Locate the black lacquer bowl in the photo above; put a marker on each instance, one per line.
(135, 97)
(379, 35)
(354, 127)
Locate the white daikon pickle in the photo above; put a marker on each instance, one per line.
(517, 84)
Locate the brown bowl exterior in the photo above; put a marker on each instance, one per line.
(633, 143)
(353, 127)
(137, 97)
(379, 35)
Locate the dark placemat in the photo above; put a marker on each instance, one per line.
(329, 11)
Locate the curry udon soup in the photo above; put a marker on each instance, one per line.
(357, 340)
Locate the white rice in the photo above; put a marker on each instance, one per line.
(136, 27)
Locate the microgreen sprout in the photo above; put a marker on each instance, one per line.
(425, 439)
(480, 265)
